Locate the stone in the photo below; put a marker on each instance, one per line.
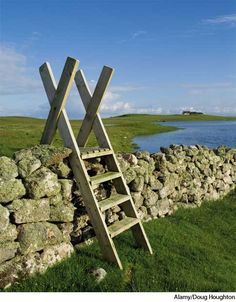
(116, 209)
(121, 215)
(111, 217)
(154, 183)
(137, 198)
(8, 168)
(142, 213)
(145, 155)
(66, 229)
(55, 200)
(8, 250)
(166, 191)
(131, 159)
(4, 218)
(81, 221)
(66, 188)
(10, 271)
(163, 206)
(61, 169)
(150, 197)
(56, 253)
(227, 179)
(42, 183)
(30, 210)
(62, 212)
(98, 273)
(153, 211)
(31, 264)
(137, 184)
(36, 236)
(76, 236)
(124, 165)
(87, 233)
(144, 164)
(50, 155)
(9, 234)
(28, 165)
(11, 189)
(21, 154)
(94, 168)
(129, 175)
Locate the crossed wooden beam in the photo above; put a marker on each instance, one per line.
(58, 95)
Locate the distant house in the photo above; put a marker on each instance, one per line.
(191, 112)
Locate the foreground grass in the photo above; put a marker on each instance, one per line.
(194, 250)
(22, 132)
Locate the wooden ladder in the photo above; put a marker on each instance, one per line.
(57, 118)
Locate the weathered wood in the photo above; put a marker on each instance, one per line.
(94, 105)
(120, 184)
(87, 153)
(59, 99)
(98, 127)
(86, 183)
(122, 225)
(106, 244)
(113, 200)
(100, 178)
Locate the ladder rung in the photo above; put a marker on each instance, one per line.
(122, 225)
(100, 178)
(94, 152)
(112, 201)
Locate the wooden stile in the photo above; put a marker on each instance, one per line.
(57, 97)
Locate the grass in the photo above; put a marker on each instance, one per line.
(22, 132)
(194, 250)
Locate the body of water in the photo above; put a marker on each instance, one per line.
(211, 134)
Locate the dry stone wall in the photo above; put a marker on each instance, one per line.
(42, 214)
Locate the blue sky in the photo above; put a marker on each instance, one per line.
(168, 55)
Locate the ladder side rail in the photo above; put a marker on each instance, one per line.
(94, 105)
(106, 244)
(59, 99)
(98, 127)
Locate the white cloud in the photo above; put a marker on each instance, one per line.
(135, 35)
(138, 34)
(15, 75)
(225, 19)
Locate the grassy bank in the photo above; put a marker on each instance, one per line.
(21, 132)
(194, 250)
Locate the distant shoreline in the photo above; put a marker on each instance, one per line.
(22, 132)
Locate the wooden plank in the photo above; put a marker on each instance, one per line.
(122, 225)
(106, 244)
(100, 178)
(85, 94)
(59, 99)
(113, 200)
(87, 155)
(94, 105)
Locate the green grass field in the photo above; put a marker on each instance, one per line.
(21, 132)
(194, 250)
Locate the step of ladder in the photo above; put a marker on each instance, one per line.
(93, 152)
(100, 178)
(122, 225)
(113, 200)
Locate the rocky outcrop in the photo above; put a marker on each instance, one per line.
(42, 213)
